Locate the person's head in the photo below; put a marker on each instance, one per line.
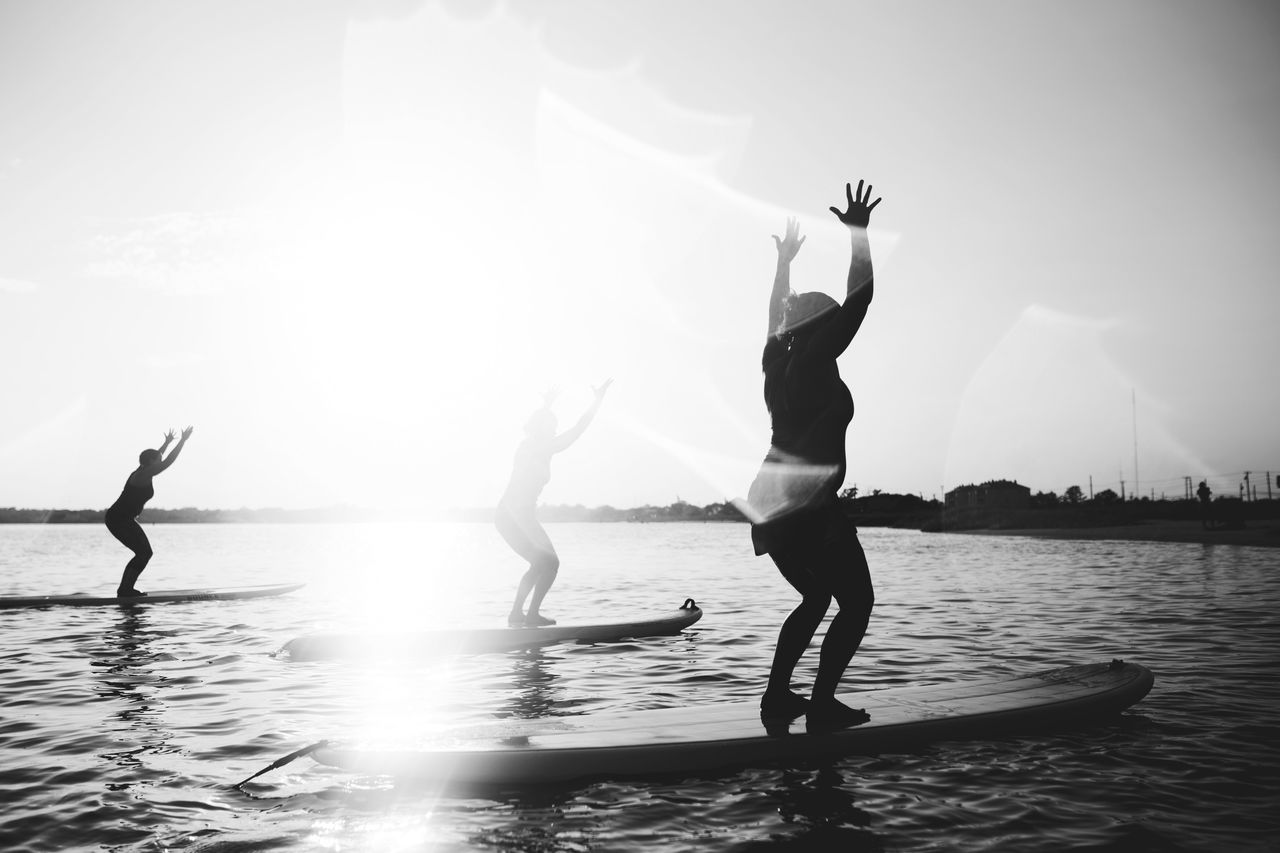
(149, 457)
(541, 424)
(806, 312)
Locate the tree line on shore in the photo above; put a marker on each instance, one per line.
(879, 509)
(678, 511)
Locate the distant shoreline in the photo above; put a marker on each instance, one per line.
(1259, 534)
(722, 512)
(1131, 522)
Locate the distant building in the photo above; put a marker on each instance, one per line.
(993, 494)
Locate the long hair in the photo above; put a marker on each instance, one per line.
(804, 312)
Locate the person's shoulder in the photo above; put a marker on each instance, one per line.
(805, 360)
(774, 350)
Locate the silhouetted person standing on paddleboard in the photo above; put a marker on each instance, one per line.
(516, 517)
(122, 516)
(795, 516)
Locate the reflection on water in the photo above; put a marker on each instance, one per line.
(129, 687)
(124, 666)
(125, 727)
(532, 687)
(819, 798)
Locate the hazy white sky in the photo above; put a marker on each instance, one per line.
(352, 242)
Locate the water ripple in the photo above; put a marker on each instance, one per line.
(123, 729)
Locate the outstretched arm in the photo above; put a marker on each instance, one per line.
(835, 337)
(574, 432)
(168, 460)
(788, 248)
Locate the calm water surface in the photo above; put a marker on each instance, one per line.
(126, 729)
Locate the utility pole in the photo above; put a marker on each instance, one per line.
(1268, 485)
(1137, 490)
(1122, 489)
(1246, 485)
(1090, 487)
(1186, 488)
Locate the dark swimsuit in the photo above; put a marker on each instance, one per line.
(797, 519)
(122, 517)
(802, 473)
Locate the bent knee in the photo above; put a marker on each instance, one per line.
(858, 600)
(548, 564)
(815, 602)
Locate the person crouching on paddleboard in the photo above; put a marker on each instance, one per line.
(516, 518)
(793, 505)
(122, 516)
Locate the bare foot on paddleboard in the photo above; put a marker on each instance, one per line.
(537, 620)
(779, 709)
(515, 620)
(830, 716)
(783, 705)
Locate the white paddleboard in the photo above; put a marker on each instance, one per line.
(409, 644)
(164, 596)
(679, 740)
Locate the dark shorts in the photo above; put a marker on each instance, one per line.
(130, 534)
(819, 554)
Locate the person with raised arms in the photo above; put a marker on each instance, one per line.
(516, 517)
(792, 503)
(122, 516)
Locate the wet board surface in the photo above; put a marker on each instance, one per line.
(163, 596)
(432, 643)
(560, 749)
